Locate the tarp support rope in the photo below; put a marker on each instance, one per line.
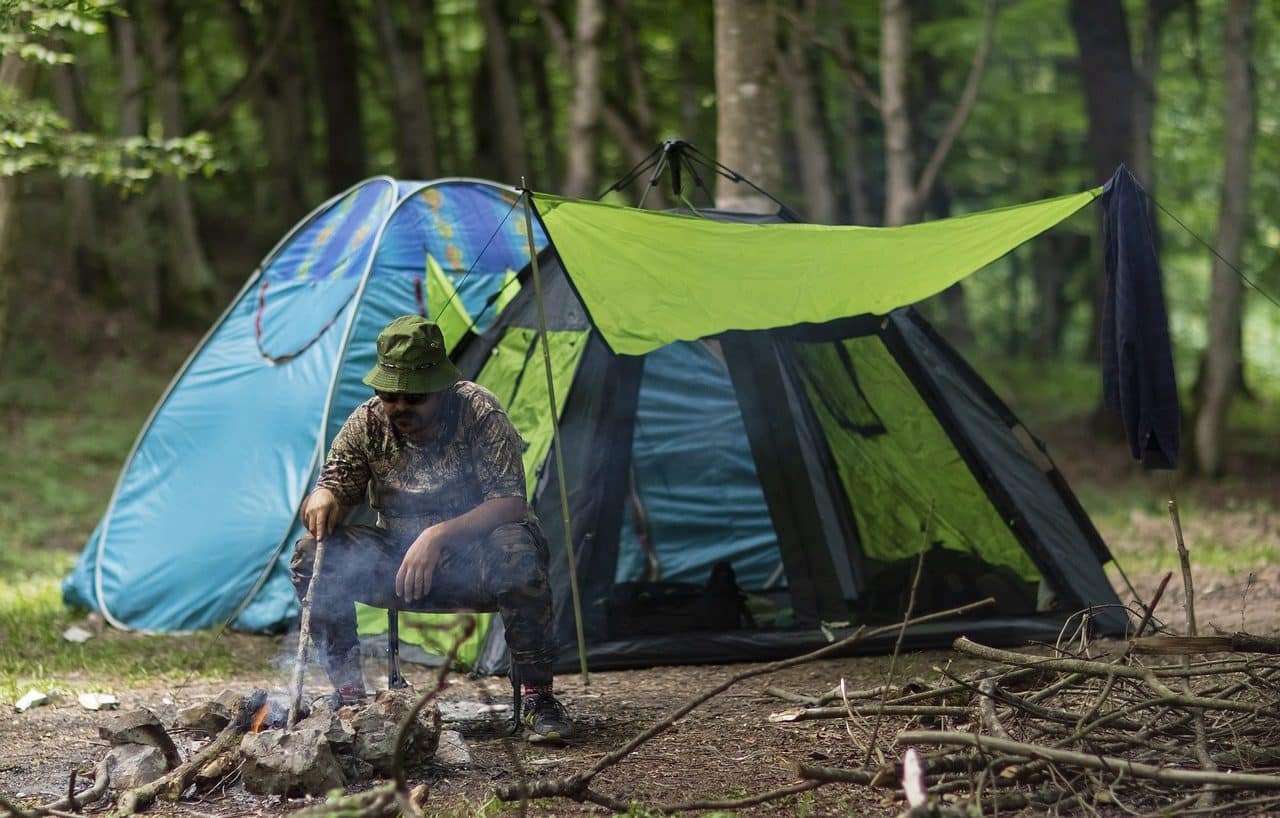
(555, 436)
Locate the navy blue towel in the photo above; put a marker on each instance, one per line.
(1137, 361)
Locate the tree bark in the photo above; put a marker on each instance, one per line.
(402, 49)
(1223, 357)
(813, 155)
(17, 75)
(187, 282)
(440, 83)
(1109, 83)
(855, 172)
(511, 158)
(906, 195)
(747, 137)
(588, 100)
(82, 246)
(280, 191)
(337, 61)
(133, 257)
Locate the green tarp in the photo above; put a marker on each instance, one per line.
(652, 278)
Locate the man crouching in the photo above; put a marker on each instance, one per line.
(441, 465)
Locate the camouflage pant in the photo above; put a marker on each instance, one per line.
(507, 572)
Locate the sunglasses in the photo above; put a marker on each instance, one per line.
(402, 397)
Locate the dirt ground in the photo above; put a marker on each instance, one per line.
(724, 749)
(727, 748)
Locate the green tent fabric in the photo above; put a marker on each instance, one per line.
(650, 278)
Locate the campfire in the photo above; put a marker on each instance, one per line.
(235, 740)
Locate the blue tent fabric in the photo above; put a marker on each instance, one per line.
(695, 476)
(199, 526)
(1137, 359)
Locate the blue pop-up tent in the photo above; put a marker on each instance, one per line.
(200, 526)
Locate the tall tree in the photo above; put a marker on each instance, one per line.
(16, 75)
(511, 159)
(1107, 75)
(1223, 356)
(188, 280)
(814, 157)
(588, 99)
(907, 194)
(337, 60)
(83, 249)
(747, 137)
(401, 41)
(278, 101)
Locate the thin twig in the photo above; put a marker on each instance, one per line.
(897, 645)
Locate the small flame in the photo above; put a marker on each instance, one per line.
(259, 717)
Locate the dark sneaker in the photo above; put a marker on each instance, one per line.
(544, 718)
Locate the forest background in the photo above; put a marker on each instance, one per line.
(153, 151)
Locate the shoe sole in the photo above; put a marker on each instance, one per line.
(545, 738)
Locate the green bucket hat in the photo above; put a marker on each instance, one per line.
(411, 358)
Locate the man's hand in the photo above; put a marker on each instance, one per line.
(321, 513)
(413, 580)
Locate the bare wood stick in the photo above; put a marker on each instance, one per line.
(819, 713)
(575, 785)
(171, 785)
(1171, 775)
(74, 801)
(897, 645)
(1151, 609)
(1184, 560)
(1183, 645)
(987, 707)
(304, 633)
(1086, 666)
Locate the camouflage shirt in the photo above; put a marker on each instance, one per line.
(474, 456)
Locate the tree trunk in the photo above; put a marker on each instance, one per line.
(278, 103)
(82, 246)
(187, 283)
(633, 123)
(133, 256)
(402, 48)
(900, 204)
(1107, 76)
(1223, 358)
(806, 113)
(337, 61)
(511, 159)
(16, 74)
(441, 88)
(688, 92)
(588, 99)
(747, 137)
(855, 172)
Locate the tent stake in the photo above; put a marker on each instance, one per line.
(555, 437)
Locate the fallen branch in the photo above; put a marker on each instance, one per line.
(576, 786)
(1238, 642)
(1168, 775)
(74, 801)
(817, 713)
(171, 785)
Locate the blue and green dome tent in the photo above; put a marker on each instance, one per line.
(730, 391)
(201, 523)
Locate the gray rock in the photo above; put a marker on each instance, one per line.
(452, 749)
(299, 762)
(207, 718)
(377, 725)
(338, 732)
(132, 765)
(141, 726)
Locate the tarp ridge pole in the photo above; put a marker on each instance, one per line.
(555, 437)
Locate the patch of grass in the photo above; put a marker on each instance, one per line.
(1230, 558)
(34, 654)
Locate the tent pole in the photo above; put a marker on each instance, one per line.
(555, 436)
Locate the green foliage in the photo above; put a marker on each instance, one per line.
(34, 137)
